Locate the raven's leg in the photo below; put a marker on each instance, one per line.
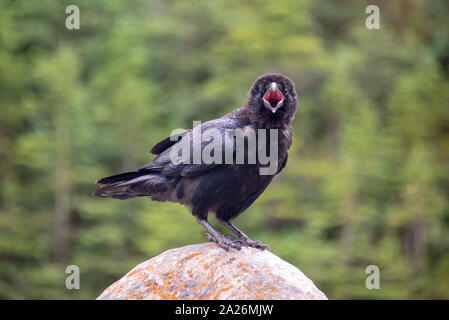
(214, 235)
(243, 238)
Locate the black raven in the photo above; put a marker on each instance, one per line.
(225, 187)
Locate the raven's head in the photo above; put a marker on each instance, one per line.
(273, 96)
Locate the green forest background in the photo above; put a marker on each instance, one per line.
(367, 180)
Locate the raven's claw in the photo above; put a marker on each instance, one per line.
(224, 242)
(255, 244)
(247, 242)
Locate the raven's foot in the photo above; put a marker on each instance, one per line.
(254, 244)
(224, 242)
(242, 238)
(247, 242)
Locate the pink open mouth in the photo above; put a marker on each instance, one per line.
(273, 97)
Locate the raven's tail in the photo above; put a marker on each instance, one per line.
(131, 184)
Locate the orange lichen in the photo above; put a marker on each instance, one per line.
(119, 289)
(192, 255)
(217, 295)
(131, 273)
(248, 287)
(209, 295)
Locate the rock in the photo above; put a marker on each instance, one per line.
(206, 271)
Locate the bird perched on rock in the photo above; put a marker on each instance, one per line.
(237, 143)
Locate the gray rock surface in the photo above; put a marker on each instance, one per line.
(206, 271)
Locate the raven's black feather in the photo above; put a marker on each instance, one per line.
(120, 177)
(166, 143)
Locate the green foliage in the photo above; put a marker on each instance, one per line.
(367, 180)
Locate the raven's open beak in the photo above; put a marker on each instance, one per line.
(273, 98)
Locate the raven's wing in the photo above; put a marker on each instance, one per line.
(163, 163)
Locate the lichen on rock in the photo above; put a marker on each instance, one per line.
(206, 271)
